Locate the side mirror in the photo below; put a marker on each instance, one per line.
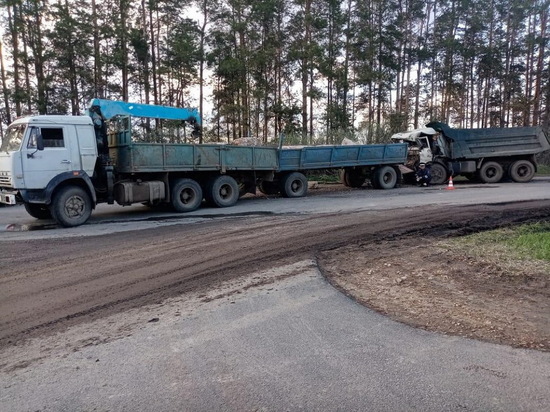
(39, 142)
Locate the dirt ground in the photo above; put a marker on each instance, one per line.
(431, 285)
(374, 256)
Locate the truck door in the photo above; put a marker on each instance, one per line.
(87, 148)
(40, 166)
(425, 152)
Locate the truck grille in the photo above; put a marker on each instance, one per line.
(5, 179)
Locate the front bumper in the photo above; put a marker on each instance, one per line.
(8, 198)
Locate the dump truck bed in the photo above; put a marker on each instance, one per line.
(494, 142)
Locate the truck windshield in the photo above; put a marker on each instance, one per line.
(13, 138)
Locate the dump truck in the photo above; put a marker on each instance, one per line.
(487, 155)
(61, 167)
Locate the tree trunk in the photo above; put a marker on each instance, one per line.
(99, 90)
(13, 24)
(540, 68)
(123, 10)
(4, 87)
(153, 55)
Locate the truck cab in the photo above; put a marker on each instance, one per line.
(426, 144)
(38, 153)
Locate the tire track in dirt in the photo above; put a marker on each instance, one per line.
(50, 285)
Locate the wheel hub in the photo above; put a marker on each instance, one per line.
(74, 206)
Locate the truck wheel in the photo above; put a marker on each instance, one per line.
(38, 211)
(521, 171)
(385, 177)
(439, 174)
(491, 172)
(268, 188)
(342, 175)
(352, 178)
(186, 195)
(222, 191)
(294, 185)
(71, 206)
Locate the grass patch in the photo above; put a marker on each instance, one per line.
(543, 170)
(534, 240)
(510, 247)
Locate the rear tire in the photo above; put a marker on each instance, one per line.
(385, 177)
(186, 195)
(37, 211)
(491, 172)
(522, 171)
(222, 191)
(294, 185)
(71, 206)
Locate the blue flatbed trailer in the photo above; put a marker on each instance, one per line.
(161, 157)
(270, 169)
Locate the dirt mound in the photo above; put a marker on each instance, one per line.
(420, 280)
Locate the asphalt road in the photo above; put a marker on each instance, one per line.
(230, 313)
(16, 224)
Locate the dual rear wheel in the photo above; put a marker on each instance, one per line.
(520, 171)
(219, 191)
(383, 177)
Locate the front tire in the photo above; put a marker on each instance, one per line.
(294, 185)
(186, 195)
(439, 174)
(522, 171)
(491, 172)
(37, 211)
(71, 206)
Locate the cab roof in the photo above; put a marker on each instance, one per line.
(413, 134)
(54, 120)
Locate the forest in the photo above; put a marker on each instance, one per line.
(315, 70)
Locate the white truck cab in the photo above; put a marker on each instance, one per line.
(39, 150)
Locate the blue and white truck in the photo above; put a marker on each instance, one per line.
(61, 167)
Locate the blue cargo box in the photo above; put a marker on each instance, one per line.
(132, 157)
(326, 157)
(156, 157)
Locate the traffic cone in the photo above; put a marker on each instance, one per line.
(451, 186)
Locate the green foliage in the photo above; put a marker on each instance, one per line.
(530, 241)
(316, 68)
